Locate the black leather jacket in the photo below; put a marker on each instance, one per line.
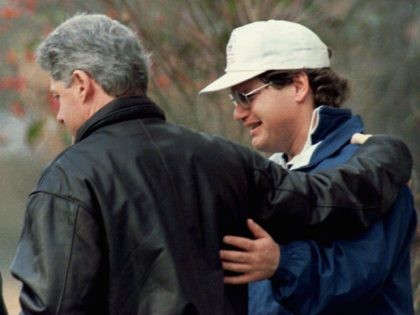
(129, 219)
(3, 310)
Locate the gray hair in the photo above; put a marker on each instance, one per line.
(108, 51)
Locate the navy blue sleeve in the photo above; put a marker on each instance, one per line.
(373, 269)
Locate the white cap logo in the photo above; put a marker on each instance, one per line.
(230, 56)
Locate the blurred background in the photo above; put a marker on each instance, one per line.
(375, 45)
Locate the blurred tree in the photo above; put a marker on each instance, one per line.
(375, 45)
(187, 39)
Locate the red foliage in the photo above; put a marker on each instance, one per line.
(11, 57)
(27, 5)
(31, 5)
(10, 13)
(17, 109)
(162, 81)
(30, 56)
(12, 83)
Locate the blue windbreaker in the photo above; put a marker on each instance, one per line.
(366, 274)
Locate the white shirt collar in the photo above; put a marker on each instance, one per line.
(308, 149)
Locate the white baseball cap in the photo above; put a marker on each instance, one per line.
(269, 45)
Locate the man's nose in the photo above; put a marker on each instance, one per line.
(240, 113)
(59, 118)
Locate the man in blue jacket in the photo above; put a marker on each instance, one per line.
(287, 95)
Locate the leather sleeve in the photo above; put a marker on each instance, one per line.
(58, 257)
(347, 198)
(3, 310)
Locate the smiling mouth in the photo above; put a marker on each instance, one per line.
(256, 125)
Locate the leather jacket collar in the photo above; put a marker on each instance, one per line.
(120, 109)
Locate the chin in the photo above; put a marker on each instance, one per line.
(258, 145)
(264, 147)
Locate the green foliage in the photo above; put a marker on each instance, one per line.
(34, 131)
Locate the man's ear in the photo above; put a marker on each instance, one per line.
(302, 86)
(83, 84)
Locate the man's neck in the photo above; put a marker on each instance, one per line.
(303, 139)
(101, 99)
(306, 147)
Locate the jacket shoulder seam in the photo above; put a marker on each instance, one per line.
(63, 292)
(67, 198)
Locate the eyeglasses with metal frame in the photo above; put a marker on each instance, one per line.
(244, 99)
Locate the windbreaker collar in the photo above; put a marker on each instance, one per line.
(329, 120)
(120, 109)
(333, 130)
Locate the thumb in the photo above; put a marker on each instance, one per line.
(359, 138)
(256, 229)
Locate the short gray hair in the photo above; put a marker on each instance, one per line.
(108, 51)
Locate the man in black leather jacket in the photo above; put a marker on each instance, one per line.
(130, 218)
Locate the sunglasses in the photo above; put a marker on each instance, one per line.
(244, 99)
